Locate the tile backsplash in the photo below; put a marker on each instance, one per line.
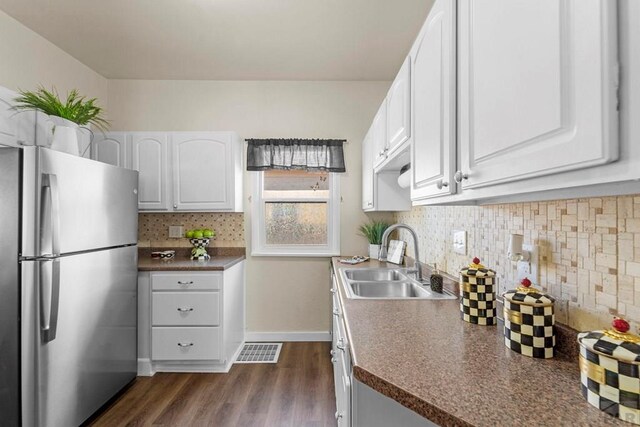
(153, 228)
(589, 250)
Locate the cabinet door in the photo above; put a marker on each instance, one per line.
(367, 173)
(110, 147)
(149, 156)
(203, 171)
(433, 150)
(537, 88)
(17, 128)
(379, 135)
(399, 108)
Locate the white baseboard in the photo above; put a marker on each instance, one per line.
(145, 369)
(287, 336)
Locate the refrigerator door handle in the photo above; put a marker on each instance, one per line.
(50, 185)
(49, 297)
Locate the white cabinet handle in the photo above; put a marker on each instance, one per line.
(175, 206)
(333, 290)
(185, 310)
(440, 184)
(332, 353)
(338, 415)
(341, 344)
(180, 282)
(334, 360)
(336, 312)
(182, 344)
(459, 177)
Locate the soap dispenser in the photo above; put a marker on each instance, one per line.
(436, 280)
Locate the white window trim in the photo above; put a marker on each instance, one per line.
(258, 244)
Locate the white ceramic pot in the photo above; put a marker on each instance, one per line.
(374, 251)
(65, 136)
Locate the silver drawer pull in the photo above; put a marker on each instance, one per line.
(185, 310)
(182, 344)
(180, 282)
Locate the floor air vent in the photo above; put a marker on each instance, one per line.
(259, 352)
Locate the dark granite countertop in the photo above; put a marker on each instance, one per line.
(421, 354)
(221, 259)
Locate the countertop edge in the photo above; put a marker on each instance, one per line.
(193, 266)
(408, 400)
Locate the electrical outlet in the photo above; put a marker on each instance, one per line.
(460, 242)
(176, 231)
(529, 268)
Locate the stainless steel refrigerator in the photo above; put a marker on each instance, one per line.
(68, 285)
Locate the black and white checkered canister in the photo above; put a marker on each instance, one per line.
(610, 373)
(529, 321)
(478, 295)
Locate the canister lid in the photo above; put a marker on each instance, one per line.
(617, 343)
(528, 295)
(477, 269)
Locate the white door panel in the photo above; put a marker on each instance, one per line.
(537, 88)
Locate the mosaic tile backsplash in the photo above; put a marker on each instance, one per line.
(153, 228)
(589, 250)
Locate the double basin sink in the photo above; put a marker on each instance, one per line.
(387, 283)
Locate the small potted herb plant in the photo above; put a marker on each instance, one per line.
(65, 116)
(373, 231)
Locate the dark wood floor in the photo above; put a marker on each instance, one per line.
(297, 391)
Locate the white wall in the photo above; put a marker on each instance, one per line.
(28, 60)
(283, 294)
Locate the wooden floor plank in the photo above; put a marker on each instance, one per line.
(297, 391)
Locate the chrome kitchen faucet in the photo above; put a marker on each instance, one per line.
(385, 242)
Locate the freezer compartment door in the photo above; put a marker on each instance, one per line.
(73, 204)
(93, 353)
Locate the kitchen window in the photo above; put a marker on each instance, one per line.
(296, 213)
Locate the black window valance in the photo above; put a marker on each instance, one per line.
(307, 154)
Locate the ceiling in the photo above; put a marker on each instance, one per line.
(230, 39)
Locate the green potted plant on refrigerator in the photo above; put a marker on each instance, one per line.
(65, 117)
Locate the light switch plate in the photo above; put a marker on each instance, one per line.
(176, 231)
(460, 242)
(529, 268)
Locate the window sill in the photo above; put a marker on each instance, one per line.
(295, 254)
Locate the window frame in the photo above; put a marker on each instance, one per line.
(259, 247)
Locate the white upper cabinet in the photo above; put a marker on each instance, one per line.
(399, 109)
(433, 150)
(205, 166)
(378, 133)
(150, 157)
(17, 128)
(537, 88)
(367, 173)
(111, 148)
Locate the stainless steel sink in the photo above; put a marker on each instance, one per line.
(387, 290)
(375, 275)
(386, 283)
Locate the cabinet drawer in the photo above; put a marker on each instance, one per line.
(177, 281)
(185, 343)
(186, 308)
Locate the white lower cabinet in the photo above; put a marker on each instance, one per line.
(341, 360)
(194, 321)
(191, 343)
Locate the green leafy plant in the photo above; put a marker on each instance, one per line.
(75, 108)
(373, 231)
